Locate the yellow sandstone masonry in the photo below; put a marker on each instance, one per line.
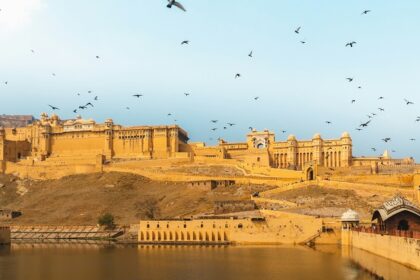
(275, 228)
(84, 146)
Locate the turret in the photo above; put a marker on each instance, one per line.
(55, 120)
(291, 152)
(108, 145)
(45, 140)
(346, 150)
(317, 143)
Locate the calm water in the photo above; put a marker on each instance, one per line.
(98, 262)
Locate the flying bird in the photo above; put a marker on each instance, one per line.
(359, 129)
(75, 111)
(297, 30)
(373, 149)
(214, 129)
(128, 108)
(214, 121)
(53, 74)
(32, 51)
(176, 4)
(381, 109)
(186, 42)
(353, 101)
(169, 114)
(237, 75)
(186, 94)
(250, 54)
(303, 42)
(365, 12)
(365, 124)
(386, 140)
(381, 97)
(82, 107)
(89, 104)
(350, 79)
(6, 82)
(231, 124)
(53, 107)
(256, 98)
(137, 95)
(97, 57)
(96, 98)
(408, 102)
(327, 122)
(350, 44)
(412, 139)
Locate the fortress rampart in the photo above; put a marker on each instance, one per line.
(86, 145)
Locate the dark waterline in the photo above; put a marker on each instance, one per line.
(99, 262)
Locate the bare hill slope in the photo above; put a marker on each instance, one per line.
(80, 199)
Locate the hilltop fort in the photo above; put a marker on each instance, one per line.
(82, 143)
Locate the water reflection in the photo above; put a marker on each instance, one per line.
(380, 266)
(107, 261)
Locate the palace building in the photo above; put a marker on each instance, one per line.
(50, 137)
(53, 137)
(261, 148)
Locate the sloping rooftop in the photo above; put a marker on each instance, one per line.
(394, 206)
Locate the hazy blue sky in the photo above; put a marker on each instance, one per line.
(300, 86)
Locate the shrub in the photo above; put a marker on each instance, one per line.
(107, 221)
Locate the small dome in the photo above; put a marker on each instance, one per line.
(291, 138)
(345, 135)
(350, 216)
(317, 136)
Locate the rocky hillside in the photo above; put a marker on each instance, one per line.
(81, 199)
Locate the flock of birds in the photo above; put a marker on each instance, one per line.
(297, 31)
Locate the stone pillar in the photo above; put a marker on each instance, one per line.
(346, 150)
(291, 152)
(109, 138)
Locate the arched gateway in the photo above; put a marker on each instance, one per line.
(310, 175)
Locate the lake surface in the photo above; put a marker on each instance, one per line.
(101, 262)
